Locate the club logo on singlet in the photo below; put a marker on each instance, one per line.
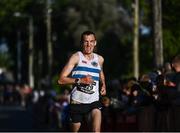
(95, 64)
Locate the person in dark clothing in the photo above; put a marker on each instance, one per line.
(176, 66)
(176, 101)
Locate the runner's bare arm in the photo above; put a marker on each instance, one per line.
(102, 77)
(63, 77)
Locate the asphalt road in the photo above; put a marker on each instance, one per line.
(15, 118)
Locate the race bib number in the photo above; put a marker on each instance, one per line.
(89, 89)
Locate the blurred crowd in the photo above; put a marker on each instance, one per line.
(149, 103)
(14, 94)
(46, 107)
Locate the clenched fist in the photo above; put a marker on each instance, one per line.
(86, 80)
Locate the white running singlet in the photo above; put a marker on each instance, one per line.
(86, 93)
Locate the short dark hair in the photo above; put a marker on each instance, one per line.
(176, 59)
(87, 33)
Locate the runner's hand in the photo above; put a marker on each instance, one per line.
(87, 80)
(103, 90)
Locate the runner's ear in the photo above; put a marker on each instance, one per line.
(95, 43)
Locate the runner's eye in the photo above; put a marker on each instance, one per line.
(90, 42)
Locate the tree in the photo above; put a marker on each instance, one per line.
(158, 42)
(171, 28)
(136, 40)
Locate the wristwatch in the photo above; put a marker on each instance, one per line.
(77, 81)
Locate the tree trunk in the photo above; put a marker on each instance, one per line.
(158, 44)
(49, 41)
(31, 74)
(136, 39)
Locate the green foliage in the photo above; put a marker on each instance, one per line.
(146, 13)
(111, 20)
(171, 28)
(171, 44)
(10, 6)
(94, 15)
(5, 61)
(170, 31)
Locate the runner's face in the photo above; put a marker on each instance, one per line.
(89, 43)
